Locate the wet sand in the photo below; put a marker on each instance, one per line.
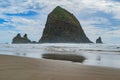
(19, 68)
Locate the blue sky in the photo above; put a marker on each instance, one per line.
(97, 17)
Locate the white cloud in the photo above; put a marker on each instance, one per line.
(91, 31)
(33, 27)
(94, 32)
(6, 36)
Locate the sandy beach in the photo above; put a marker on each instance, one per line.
(20, 68)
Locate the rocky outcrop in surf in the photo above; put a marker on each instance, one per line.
(18, 39)
(99, 40)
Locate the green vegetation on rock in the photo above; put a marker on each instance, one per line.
(61, 14)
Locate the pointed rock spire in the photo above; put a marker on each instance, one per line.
(99, 40)
(25, 36)
(17, 38)
(25, 39)
(18, 35)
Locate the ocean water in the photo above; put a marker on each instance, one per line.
(107, 55)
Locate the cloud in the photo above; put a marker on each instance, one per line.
(115, 0)
(108, 35)
(24, 14)
(2, 21)
(22, 25)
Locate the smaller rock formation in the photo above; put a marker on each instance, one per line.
(18, 39)
(25, 39)
(99, 40)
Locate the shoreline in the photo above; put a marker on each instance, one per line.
(21, 68)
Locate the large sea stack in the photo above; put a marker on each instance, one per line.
(63, 27)
(18, 39)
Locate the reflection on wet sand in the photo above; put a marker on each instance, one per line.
(100, 55)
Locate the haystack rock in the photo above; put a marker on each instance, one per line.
(63, 27)
(18, 39)
(99, 40)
